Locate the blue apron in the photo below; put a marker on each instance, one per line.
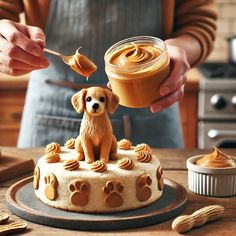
(96, 25)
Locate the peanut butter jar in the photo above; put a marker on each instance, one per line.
(136, 68)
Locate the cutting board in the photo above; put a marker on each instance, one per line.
(13, 165)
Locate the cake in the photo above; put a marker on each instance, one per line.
(94, 173)
(212, 174)
(133, 180)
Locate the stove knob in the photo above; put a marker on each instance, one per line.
(233, 101)
(218, 101)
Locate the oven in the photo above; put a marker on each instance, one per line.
(217, 106)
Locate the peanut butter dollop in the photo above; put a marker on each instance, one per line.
(53, 147)
(125, 163)
(52, 157)
(142, 147)
(144, 156)
(216, 159)
(70, 143)
(124, 144)
(71, 165)
(98, 166)
(132, 55)
(82, 64)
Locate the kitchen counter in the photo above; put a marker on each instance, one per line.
(173, 162)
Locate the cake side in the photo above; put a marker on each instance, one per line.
(84, 190)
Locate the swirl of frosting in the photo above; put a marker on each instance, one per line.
(71, 165)
(98, 166)
(124, 144)
(82, 64)
(135, 54)
(142, 147)
(53, 147)
(144, 156)
(125, 163)
(52, 157)
(216, 159)
(70, 143)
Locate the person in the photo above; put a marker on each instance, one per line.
(188, 28)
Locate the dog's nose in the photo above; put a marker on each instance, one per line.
(95, 106)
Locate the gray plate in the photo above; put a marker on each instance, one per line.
(22, 201)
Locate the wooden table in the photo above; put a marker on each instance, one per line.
(173, 162)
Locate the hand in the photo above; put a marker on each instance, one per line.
(172, 89)
(21, 48)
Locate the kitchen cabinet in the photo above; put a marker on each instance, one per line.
(12, 97)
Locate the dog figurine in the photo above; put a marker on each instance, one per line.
(96, 137)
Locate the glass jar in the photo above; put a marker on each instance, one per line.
(136, 68)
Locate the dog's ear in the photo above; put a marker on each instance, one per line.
(112, 101)
(77, 100)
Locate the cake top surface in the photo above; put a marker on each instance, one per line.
(129, 159)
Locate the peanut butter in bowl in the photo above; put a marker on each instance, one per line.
(212, 174)
(216, 159)
(136, 68)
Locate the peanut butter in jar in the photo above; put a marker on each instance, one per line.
(136, 68)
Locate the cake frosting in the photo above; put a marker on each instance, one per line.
(123, 184)
(124, 144)
(216, 159)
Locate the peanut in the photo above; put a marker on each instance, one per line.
(13, 228)
(3, 218)
(198, 218)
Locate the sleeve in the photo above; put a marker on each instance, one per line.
(198, 19)
(10, 9)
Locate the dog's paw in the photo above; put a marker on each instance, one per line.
(80, 192)
(160, 180)
(36, 177)
(51, 186)
(142, 186)
(113, 156)
(113, 190)
(79, 156)
(89, 161)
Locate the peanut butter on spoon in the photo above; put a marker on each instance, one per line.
(78, 62)
(82, 64)
(217, 159)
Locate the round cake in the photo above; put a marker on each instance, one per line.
(131, 181)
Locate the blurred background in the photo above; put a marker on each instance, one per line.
(208, 109)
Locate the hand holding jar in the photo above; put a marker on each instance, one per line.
(172, 88)
(141, 74)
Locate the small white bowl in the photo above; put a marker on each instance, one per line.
(217, 182)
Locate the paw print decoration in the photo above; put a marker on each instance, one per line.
(160, 180)
(36, 177)
(80, 189)
(113, 193)
(51, 186)
(143, 187)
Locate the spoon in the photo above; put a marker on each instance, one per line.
(63, 57)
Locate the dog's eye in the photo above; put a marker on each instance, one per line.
(88, 99)
(102, 99)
